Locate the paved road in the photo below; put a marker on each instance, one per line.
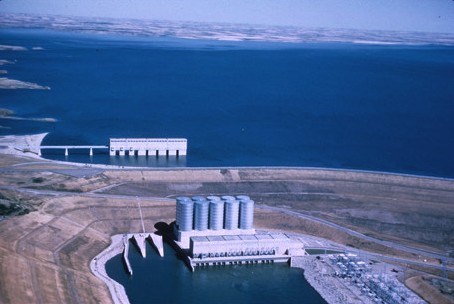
(401, 247)
(54, 193)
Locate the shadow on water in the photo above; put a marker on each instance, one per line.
(100, 157)
(166, 231)
(134, 243)
(148, 161)
(166, 279)
(125, 266)
(163, 228)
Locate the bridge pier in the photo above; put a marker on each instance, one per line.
(39, 149)
(132, 151)
(148, 146)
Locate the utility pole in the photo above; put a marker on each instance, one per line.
(141, 216)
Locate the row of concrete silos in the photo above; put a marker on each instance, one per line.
(214, 212)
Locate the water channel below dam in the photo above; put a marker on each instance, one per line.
(168, 280)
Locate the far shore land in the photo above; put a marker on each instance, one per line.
(81, 207)
(12, 84)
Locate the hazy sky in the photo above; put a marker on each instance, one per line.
(418, 15)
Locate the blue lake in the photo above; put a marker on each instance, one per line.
(384, 108)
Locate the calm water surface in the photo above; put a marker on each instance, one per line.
(386, 108)
(168, 280)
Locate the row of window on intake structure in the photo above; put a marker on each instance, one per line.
(147, 140)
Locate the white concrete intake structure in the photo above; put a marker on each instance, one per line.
(148, 146)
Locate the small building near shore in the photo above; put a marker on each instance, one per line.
(148, 146)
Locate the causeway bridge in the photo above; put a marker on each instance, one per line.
(67, 148)
(126, 146)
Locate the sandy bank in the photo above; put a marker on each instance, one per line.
(12, 84)
(5, 62)
(12, 48)
(9, 144)
(38, 119)
(9, 114)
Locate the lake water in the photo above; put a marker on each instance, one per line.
(385, 108)
(168, 280)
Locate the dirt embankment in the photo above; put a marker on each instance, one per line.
(44, 255)
(433, 290)
(412, 210)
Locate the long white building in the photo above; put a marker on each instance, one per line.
(148, 146)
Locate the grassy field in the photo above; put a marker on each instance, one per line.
(73, 211)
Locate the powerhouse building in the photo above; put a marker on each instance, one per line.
(217, 230)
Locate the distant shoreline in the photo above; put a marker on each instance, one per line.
(223, 32)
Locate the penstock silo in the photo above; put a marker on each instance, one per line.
(246, 214)
(198, 198)
(178, 208)
(201, 211)
(213, 198)
(216, 215)
(232, 214)
(228, 198)
(185, 211)
(243, 197)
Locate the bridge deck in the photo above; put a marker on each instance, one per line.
(68, 147)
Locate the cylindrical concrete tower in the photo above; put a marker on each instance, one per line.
(216, 215)
(232, 214)
(198, 198)
(178, 209)
(201, 208)
(246, 214)
(243, 197)
(186, 213)
(213, 198)
(228, 198)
